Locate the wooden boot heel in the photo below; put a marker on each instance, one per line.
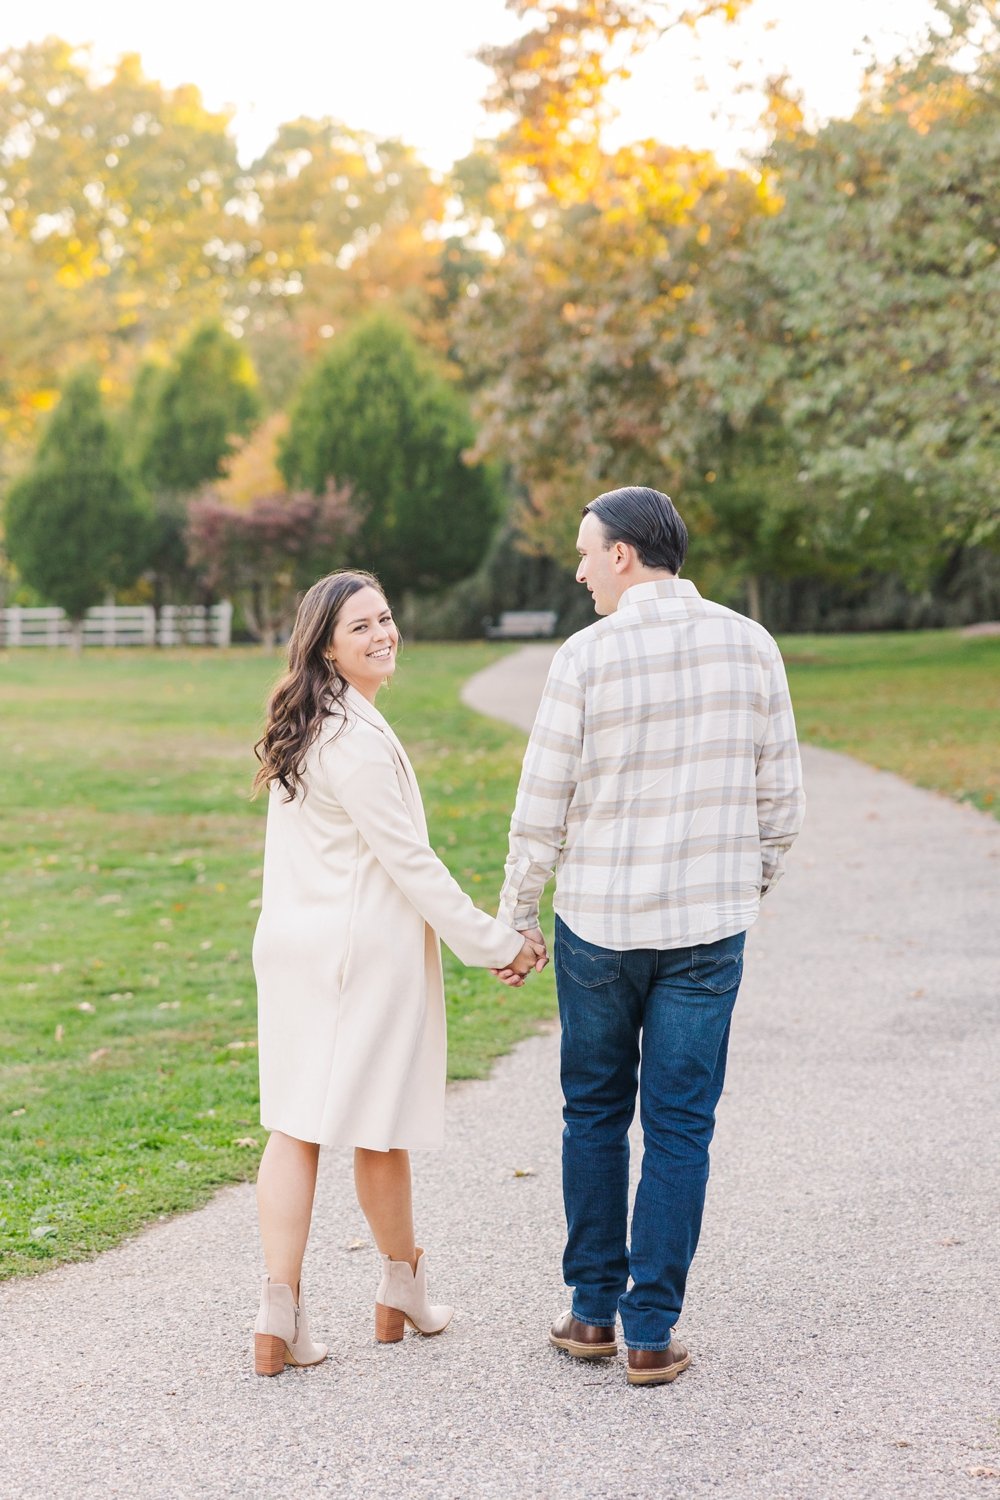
(268, 1354)
(389, 1324)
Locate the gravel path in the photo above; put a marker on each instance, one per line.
(842, 1310)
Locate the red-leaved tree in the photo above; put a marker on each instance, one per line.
(267, 554)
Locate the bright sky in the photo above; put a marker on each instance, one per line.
(406, 67)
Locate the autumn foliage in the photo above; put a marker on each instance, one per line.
(800, 348)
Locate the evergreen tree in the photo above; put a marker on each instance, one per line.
(376, 415)
(183, 424)
(76, 524)
(189, 416)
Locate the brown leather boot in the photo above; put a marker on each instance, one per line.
(583, 1340)
(657, 1366)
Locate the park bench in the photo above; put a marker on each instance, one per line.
(517, 624)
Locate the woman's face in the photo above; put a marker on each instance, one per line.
(364, 642)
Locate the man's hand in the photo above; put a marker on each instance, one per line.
(534, 936)
(533, 956)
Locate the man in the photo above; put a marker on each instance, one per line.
(662, 778)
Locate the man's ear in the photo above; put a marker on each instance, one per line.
(622, 554)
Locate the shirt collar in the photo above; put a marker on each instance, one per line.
(659, 588)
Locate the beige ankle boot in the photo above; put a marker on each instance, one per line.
(402, 1298)
(281, 1333)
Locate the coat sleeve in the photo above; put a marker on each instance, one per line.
(360, 771)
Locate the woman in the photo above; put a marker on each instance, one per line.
(350, 994)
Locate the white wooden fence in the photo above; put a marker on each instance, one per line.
(121, 625)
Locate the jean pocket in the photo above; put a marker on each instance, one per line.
(589, 967)
(715, 970)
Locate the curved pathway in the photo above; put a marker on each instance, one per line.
(842, 1310)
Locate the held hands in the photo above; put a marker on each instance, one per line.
(532, 957)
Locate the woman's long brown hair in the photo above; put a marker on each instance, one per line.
(311, 688)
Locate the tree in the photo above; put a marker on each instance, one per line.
(883, 264)
(268, 553)
(252, 469)
(125, 219)
(184, 423)
(575, 338)
(120, 210)
(76, 525)
(377, 415)
(345, 221)
(804, 352)
(753, 520)
(196, 410)
(553, 80)
(597, 346)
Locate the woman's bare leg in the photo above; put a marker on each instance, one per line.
(286, 1186)
(382, 1180)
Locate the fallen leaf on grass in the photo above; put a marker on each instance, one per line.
(87, 1008)
(246, 1140)
(41, 1231)
(15, 1112)
(59, 1033)
(100, 1052)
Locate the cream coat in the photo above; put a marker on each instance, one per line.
(351, 1016)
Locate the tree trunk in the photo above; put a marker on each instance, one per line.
(76, 636)
(158, 602)
(753, 597)
(268, 623)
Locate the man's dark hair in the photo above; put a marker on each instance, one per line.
(645, 519)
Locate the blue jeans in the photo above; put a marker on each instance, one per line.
(678, 1002)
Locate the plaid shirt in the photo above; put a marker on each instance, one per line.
(662, 776)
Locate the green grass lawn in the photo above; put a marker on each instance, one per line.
(130, 873)
(925, 705)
